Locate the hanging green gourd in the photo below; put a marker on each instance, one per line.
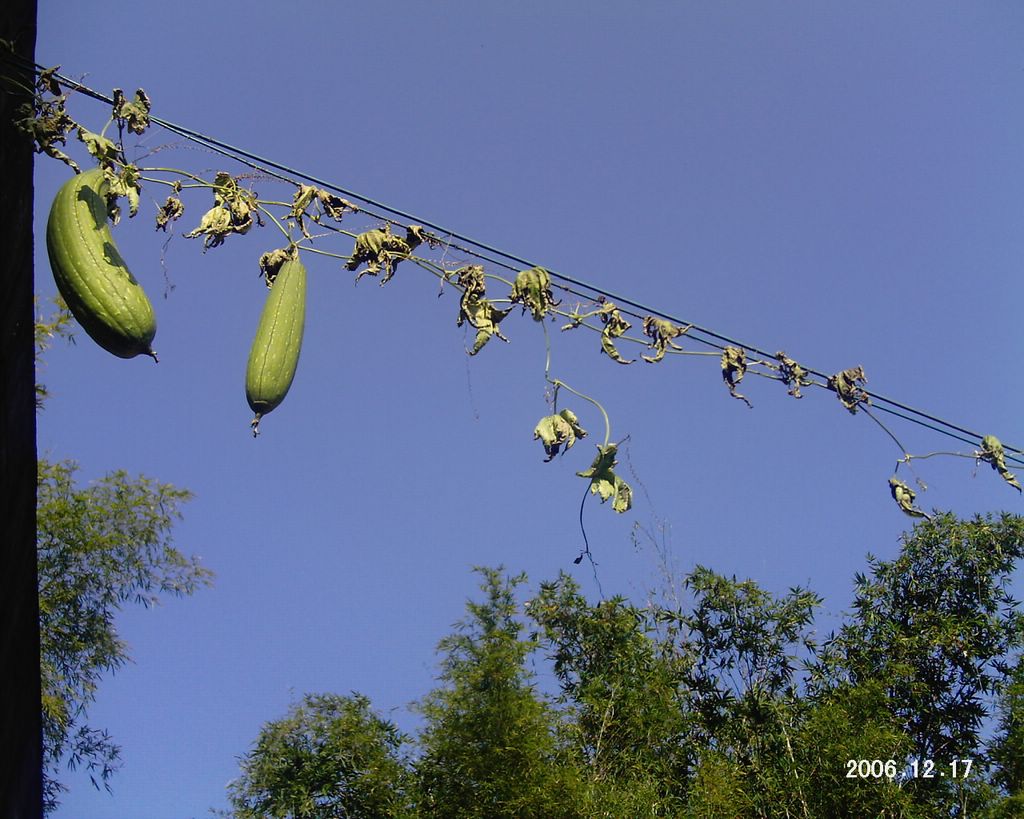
(274, 355)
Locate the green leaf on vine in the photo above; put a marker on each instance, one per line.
(379, 249)
(134, 114)
(793, 375)
(604, 481)
(532, 289)
(734, 367)
(556, 431)
(661, 332)
(904, 497)
(848, 387)
(992, 452)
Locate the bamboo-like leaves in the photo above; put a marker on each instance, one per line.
(604, 481)
(734, 367)
(904, 497)
(532, 289)
(556, 431)
(992, 452)
(848, 387)
(379, 249)
(661, 332)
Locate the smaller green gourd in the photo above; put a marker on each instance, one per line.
(274, 355)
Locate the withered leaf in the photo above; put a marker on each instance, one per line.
(134, 113)
(793, 375)
(848, 387)
(271, 261)
(614, 327)
(103, 149)
(474, 306)
(48, 124)
(734, 367)
(556, 431)
(661, 332)
(124, 182)
(380, 249)
(235, 209)
(170, 211)
(992, 452)
(604, 481)
(904, 497)
(532, 289)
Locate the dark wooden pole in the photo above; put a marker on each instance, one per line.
(20, 731)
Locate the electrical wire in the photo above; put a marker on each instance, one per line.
(510, 261)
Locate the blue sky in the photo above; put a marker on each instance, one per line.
(840, 181)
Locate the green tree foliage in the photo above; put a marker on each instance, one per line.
(621, 714)
(724, 705)
(331, 756)
(488, 743)
(100, 546)
(937, 628)
(1007, 750)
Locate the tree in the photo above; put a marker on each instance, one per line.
(936, 628)
(725, 705)
(620, 690)
(489, 745)
(99, 546)
(331, 756)
(1007, 751)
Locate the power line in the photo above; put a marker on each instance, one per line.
(486, 252)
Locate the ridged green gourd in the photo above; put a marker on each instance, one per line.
(90, 273)
(275, 350)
